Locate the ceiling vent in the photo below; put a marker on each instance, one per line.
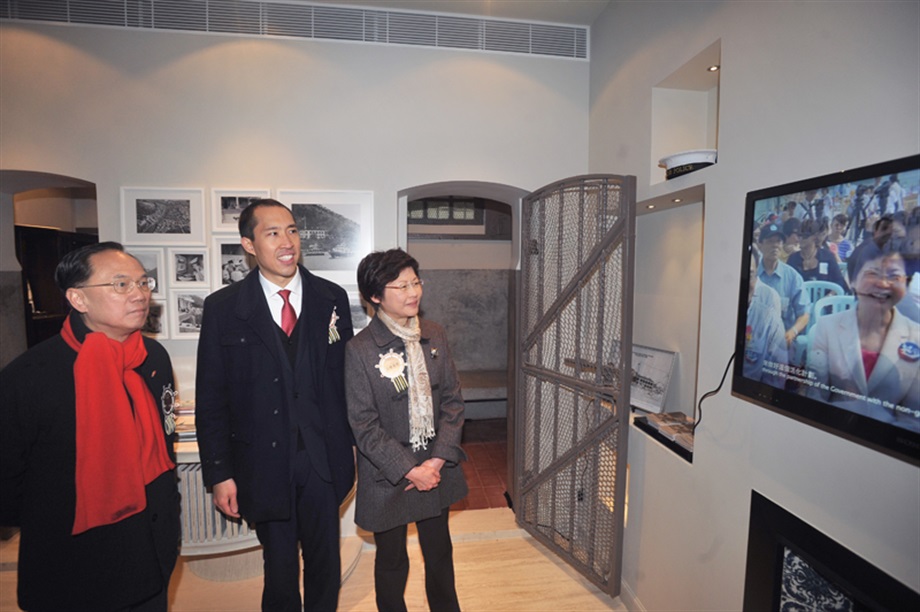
(315, 21)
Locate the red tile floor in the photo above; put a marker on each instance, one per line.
(485, 443)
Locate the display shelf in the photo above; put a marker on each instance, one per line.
(685, 109)
(641, 422)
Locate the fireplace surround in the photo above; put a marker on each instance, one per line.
(791, 566)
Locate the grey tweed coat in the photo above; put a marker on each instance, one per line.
(379, 417)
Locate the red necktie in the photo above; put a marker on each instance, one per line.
(288, 316)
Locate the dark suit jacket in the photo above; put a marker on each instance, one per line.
(248, 397)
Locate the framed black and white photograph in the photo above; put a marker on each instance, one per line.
(360, 317)
(227, 204)
(231, 262)
(188, 268)
(651, 377)
(336, 230)
(152, 260)
(185, 310)
(157, 324)
(162, 216)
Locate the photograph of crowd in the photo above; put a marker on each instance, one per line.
(834, 296)
(163, 216)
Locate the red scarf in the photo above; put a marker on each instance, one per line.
(119, 449)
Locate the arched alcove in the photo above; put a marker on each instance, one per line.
(470, 289)
(49, 200)
(476, 306)
(478, 189)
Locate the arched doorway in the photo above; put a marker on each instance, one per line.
(472, 294)
(56, 214)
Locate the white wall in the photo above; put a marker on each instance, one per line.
(806, 88)
(462, 254)
(666, 304)
(53, 208)
(155, 109)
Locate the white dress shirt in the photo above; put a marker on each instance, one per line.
(275, 302)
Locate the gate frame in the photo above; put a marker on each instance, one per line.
(620, 235)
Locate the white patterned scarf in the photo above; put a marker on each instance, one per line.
(421, 411)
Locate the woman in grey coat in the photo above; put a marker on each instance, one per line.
(406, 412)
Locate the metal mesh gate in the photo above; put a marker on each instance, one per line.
(575, 320)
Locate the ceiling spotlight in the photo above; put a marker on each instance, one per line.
(714, 68)
(677, 200)
(650, 206)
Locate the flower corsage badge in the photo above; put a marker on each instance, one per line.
(333, 330)
(392, 365)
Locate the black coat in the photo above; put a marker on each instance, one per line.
(108, 567)
(248, 397)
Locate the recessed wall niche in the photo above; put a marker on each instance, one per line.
(685, 109)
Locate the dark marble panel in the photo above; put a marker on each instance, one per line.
(472, 305)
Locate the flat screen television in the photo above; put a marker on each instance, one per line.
(829, 304)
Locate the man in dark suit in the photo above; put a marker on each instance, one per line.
(273, 433)
(87, 466)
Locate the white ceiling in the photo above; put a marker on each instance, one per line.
(573, 12)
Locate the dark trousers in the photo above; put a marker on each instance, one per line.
(391, 566)
(314, 525)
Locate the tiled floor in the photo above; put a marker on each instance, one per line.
(485, 443)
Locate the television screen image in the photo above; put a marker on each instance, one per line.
(828, 328)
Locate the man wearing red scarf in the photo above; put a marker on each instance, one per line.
(87, 468)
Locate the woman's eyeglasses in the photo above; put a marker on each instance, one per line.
(416, 284)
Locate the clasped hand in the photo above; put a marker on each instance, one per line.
(426, 476)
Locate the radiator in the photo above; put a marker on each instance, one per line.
(205, 531)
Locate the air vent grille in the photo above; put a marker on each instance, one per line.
(112, 13)
(180, 15)
(460, 33)
(235, 16)
(287, 20)
(317, 21)
(507, 36)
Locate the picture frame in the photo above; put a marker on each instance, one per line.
(157, 324)
(227, 204)
(185, 313)
(651, 377)
(163, 216)
(188, 267)
(336, 229)
(153, 262)
(229, 262)
(359, 314)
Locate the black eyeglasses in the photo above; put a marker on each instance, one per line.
(146, 285)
